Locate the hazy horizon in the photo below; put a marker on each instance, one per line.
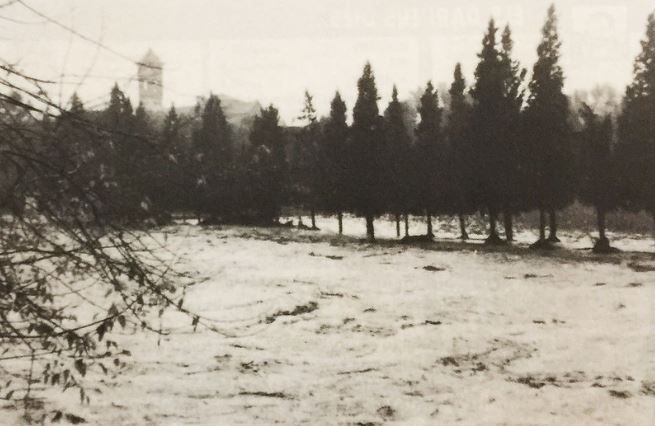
(269, 52)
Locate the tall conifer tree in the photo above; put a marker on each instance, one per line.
(212, 151)
(143, 160)
(636, 150)
(458, 130)
(126, 201)
(73, 154)
(177, 186)
(398, 145)
(305, 162)
(489, 114)
(548, 131)
(597, 170)
(367, 153)
(512, 148)
(427, 156)
(268, 167)
(335, 167)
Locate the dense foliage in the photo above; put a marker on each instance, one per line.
(502, 147)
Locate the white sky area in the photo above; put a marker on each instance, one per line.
(271, 51)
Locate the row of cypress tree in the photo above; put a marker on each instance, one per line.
(502, 146)
(505, 148)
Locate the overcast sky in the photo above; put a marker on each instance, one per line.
(272, 51)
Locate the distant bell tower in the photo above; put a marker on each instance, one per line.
(151, 83)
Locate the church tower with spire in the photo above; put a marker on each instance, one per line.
(151, 83)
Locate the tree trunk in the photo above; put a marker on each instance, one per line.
(370, 228)
(493, 237)
(552, 237)
(602, 246)
(509, 226)
(542, 225)
(462, 227)
(428, 217)
(340, 219)
(406, 224)
(300, 224)
(493, 217)
(313, 216)
(397, 225)
(600, 215)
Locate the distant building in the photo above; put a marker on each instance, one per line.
(151, 92)
(151, 83)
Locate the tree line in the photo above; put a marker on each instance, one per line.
(503, 145)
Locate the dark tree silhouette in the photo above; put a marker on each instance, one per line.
(212, 151)
(636, 151)
(145, 162)
(428, 158)
(175, 188)
(548, 132)
(268, 166)
(335, 166)
(399, 160)
(513, 166)
(490, 154)
(367, 153)
(123, 159)
(458, 131)
(305, 162)
(597, 170)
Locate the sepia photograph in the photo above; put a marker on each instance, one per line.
(327, 212)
